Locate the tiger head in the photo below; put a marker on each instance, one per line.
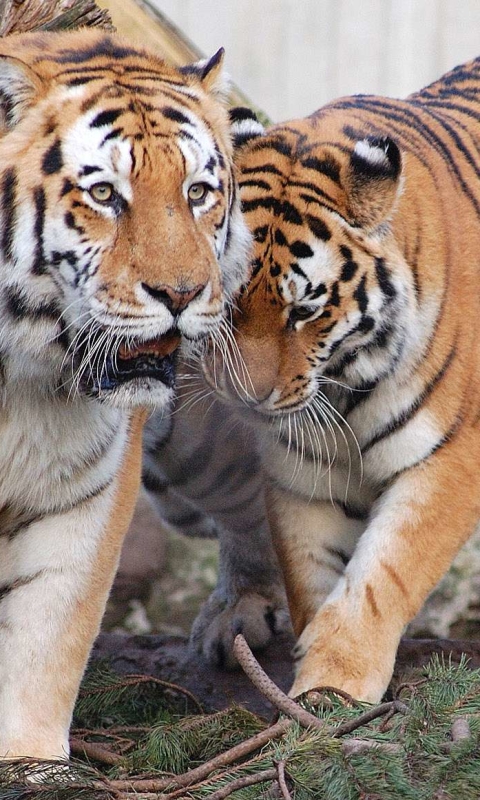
(120, 231)
(329, 299)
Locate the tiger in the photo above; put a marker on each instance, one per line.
(353, 354)
(202, 477)
(121, 239)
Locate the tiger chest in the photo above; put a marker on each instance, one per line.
(54, 453)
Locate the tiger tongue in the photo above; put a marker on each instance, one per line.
(160, 347)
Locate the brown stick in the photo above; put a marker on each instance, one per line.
(354, 747)
(282, 780)
(95, 751)
(240, 783)
(368, 716)
(260, 679)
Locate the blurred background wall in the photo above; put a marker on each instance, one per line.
(292, 56)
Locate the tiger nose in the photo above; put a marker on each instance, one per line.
(174, 299)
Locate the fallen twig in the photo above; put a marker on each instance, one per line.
(95, 751)
(354, 747)
(241, 783)
(282, 780)
(268, 688)
(368, 716)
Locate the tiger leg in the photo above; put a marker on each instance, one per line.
(60, 572)
(314, 542)
(415, 530)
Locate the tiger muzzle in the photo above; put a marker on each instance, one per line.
(108, 367)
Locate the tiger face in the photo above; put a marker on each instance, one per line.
(329, 296)
(121, 232)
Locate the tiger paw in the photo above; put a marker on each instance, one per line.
(340, 653)
(259, 617)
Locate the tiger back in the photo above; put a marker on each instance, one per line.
(358, 333)
(120, 239)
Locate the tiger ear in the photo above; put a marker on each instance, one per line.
(19, 86)
(373, 180)
(211, 74)
(244, 126)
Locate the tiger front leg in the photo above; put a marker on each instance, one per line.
(415, 530)
(56, 574)
(314, 541)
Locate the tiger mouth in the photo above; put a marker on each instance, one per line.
(153, 359)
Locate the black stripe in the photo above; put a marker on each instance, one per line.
(349, 270)
(312, 187)
(106, 117)
(360, 295)
(338, 553)
(279, 145)
(263, 168)
(290, 213)
(318, 227)
(318, 291)
(301, 250)
(38, 267)
(405, 417)
(18, 583)
(89, 169)
(359, 395)
(187, 518)
(270, 203)
(326, 166)
(19, 306)
(175, 115)
(309, 199)
(13, 520)
(298, 270)
(260, 233)
(52, 160)
(9, 187)
(334, 298)
(383, 278)
(107, 47)
(153, 483)
(70, 222)
(257, 182)
(115, 133)
(67, 187)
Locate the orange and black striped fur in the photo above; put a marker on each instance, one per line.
(358, 333)
(120, 237)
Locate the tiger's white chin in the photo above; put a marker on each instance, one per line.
(139, 392)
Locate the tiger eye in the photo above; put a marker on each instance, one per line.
(197, 192)
(101, 192)
(301, 312)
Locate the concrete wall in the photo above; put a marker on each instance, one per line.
(292, 56)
